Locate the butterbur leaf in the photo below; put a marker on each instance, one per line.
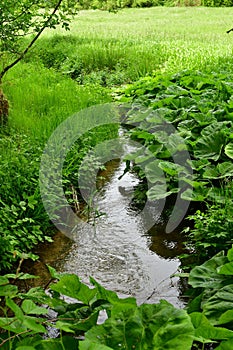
(170, 328)
(54, 274)
(226, 269)
(32, 324)
(3, 280)
(15, 308)
(230, 254)
(71, 286)
(154, 173)
(154, 327)
(229, 150)
(210, 144)
(198, 195)
(77, 323)
(205, 332)
(206, 276)
(12, 324)
(218, 304)
(29, 341)
(160, 192)
(110, 296)
(8, 290)
(170, 168)
(50, 344)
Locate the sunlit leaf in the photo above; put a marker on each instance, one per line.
(71, 286)
(229, 150)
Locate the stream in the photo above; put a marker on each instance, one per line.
(116, 251)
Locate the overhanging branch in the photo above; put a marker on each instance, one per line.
(21, 56)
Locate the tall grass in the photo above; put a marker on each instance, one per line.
(111, 49)
(40, 99)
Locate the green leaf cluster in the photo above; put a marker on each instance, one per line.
(185, 121)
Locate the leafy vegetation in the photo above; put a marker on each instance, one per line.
(173, 113)
(184, 112)
(207, 320)
(212, 231)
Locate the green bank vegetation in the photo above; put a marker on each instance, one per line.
(175, 63)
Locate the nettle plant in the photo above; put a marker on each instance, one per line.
(189, 112)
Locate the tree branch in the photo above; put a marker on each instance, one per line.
(14, 336)
(45, 25)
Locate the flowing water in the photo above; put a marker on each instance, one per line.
(116, 250)
(119, 254)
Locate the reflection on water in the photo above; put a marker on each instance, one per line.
(118, 253)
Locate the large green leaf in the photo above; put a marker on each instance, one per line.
(170, 328)
(218, 304)
(71, 286)
(198, 195)
(222, 170)
(33, 324)
(8, 290)
(15, 308)
(226, 317)
(159, 326)
(206, 276)
(30, 308)
(75, 322)
(154, 173)
(206, 332)
(229, 150)
(210, 144)
(160, 192)
(226, 269)
(110, 296)
(171, 168)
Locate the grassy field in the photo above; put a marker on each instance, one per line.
(139, 41)
(110, 49)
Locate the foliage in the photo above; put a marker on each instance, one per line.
(212, 228)
(186, 112)
(72, 310)
(211, 306)
(127, 325)
(51, 98)
(23, 221)
(18, 19)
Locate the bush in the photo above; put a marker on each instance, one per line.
(23, 220)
